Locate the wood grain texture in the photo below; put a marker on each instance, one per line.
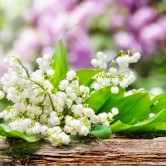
(114, 151)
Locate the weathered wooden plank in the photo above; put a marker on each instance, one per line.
(114, 151)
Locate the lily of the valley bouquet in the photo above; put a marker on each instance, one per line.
(56, 103)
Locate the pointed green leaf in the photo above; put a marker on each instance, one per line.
(59, 64)
(4, 103)
(132, 109)
(119, 126)
(98, 98)
(101, 131)
(158, 122)
(110, 102)
(85, 76)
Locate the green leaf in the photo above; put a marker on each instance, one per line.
(85, 76)
(101, 131)
(98, 98)
(132, 109)
(59, 64)
(158, 103)
(7, 132)
(158, 122)
(112, 99)
(4, 103)
(119, 126)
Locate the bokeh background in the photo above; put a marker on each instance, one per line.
(31, 28)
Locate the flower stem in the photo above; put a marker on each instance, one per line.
(52, 105)
(20, 62)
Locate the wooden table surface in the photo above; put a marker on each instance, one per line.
(114, 151)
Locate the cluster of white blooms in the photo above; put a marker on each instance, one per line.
(124, 60)
(100, 61)
(116, 77)
(40, 108)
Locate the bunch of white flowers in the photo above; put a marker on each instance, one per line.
(54, 112)
(100, 61)
(124, 60)
(116, 76)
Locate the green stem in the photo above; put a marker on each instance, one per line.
(52, 105)
(51, 101)
(120, 53)
(26, 70)
(20, 62)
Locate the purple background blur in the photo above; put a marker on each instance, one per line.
(86, 26)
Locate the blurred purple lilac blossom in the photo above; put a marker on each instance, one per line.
(131, 24)
(51, 19)
(140, 27)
